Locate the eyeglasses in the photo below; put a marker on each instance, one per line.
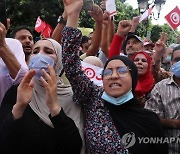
(121, 71)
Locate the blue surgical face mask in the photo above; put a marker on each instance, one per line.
(39, 62)
(176, 69)
(168, 58)
(119, 100)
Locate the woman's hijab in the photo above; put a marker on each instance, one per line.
(64, 92)
(146, 81)
(132, 119)
(130, 64)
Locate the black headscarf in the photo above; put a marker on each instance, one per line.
(132, 117)
(133, 69)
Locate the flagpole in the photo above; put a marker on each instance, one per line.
(174, 31)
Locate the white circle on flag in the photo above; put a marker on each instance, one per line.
(38, 23)
(175, 18)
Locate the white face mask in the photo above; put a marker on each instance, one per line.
(39, 62)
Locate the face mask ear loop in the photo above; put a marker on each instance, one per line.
(55, 63)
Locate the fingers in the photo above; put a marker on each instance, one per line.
(96, 10)
(8, 23)
(50, 78)
(125, 23)
(2, 26)
(28, 77)
(103, 5)
(136, 19)
(106, 17)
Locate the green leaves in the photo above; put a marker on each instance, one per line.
(25, 12)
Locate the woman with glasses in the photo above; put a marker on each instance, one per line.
(111, 112)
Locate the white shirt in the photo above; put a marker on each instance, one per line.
(5, 79)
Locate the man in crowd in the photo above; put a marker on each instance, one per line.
(25, 36)
(164, 100)
(133, 43)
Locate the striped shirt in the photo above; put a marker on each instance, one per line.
(165, 101)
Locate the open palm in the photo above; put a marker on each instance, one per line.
(24, 93)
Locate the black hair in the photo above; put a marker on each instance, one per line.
(133, 69)
(16, 29)
(176, 48)
(84, 39)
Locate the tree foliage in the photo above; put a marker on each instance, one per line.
(25, 12)
(157, 29)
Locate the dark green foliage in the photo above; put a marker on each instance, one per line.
(25, 12)
(157, 29)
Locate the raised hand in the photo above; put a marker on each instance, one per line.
(72, 9)
(163, 37)
(106, 18)
(24, 92)
(123, 27)
(96, 13)
(50, 84)
(135, 23)
(159, 47)
(72, 6)
(24, 95)
(3, 32)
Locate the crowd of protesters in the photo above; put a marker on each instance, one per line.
(48, 104)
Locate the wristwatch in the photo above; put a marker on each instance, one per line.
(61, 20)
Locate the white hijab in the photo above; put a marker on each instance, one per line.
(64, 92)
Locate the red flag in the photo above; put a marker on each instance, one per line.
(40, 25)
(173, 18)
(47, 31)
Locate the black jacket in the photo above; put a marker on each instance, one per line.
(29, 134)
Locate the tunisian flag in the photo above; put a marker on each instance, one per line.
(173, 18)
(146, 14)
(47, 31)
(40, 25)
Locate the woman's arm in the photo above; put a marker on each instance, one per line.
(82, 87)
(123, 28)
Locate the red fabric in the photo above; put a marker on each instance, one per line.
(115, 47)
(150, 10)
(47, 31)
(40, 25)
(146, 81)
(173, 18)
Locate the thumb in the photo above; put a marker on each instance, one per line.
(8, 23)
